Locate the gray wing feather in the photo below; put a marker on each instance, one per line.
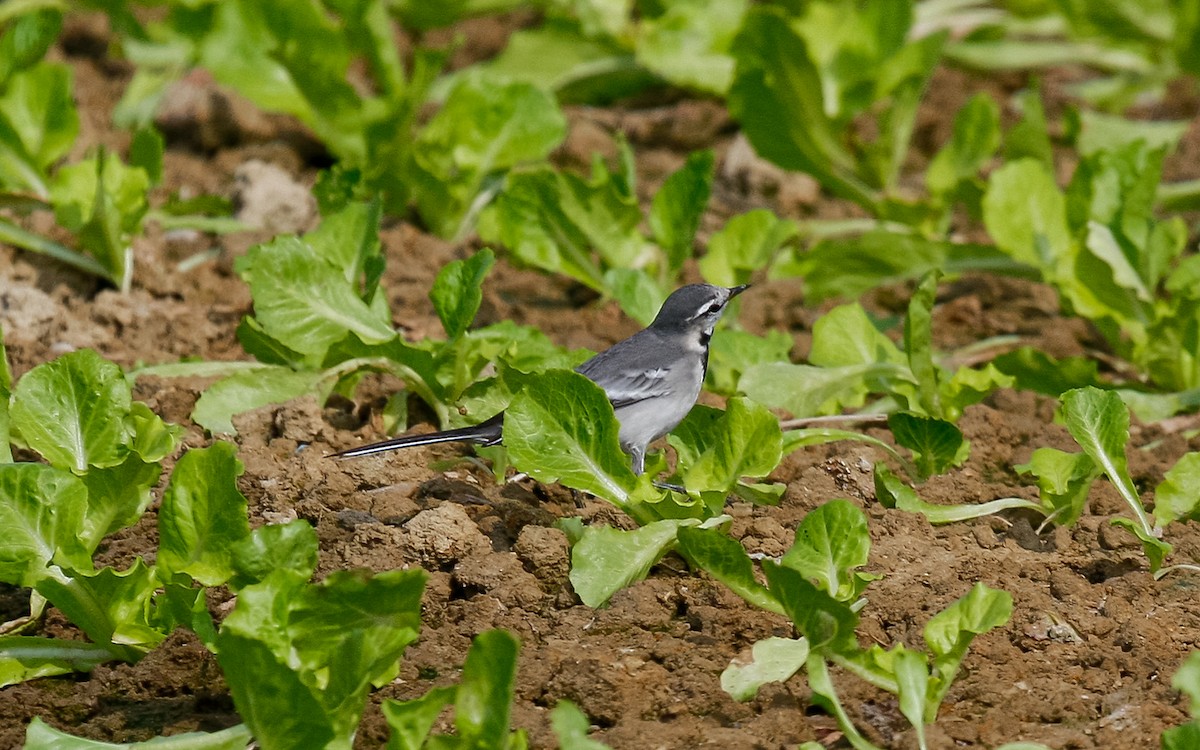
(624, 375)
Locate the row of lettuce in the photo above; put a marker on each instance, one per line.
(321, 321)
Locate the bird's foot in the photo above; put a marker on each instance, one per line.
(672, 487)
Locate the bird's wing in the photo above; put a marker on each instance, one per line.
(629, 386)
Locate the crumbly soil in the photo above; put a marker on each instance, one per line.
(1086, 661)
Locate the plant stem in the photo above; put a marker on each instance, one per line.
(18, 237)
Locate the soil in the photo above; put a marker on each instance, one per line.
(1085, 662)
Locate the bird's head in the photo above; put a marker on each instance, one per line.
(695, 309)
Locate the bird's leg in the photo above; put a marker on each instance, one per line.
(672, 487)
(637, 455)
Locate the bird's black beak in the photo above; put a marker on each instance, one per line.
(736, 290)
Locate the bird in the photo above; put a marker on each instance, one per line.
(652, 378)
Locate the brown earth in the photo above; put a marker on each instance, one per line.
(1085, 662)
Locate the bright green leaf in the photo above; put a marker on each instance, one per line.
(678, 206)
(42, 736)
(571, 728)
(457, 291)
(607, 560)
(831, 543)
(1178, 495)
(41, 511)
(243, 391)
(203, 515)
(725, 560)
(827, 623)
(483, 703)
(1063, 481)
(291, 546)
(936, 444)
(771, 660)
(561, 428)
(112, 607)
(746, 442)
(74, 411)
(24, 658)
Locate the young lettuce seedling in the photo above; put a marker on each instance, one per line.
(104, 454)
(817, 585)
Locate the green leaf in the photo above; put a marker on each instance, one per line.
(562, 223)
(725, 560)
(688, 43)
(912, 681)
(281, 711)
(974, 140)
(291, 546)
(1099, 422)
(304, 301)
(831, 543)
(24, 658)
(74, 411)
(1101, 132)
(744, 245)
(112, 607)
(411, 721)
(348, 240)
(243, 391)
(103, 201)
(936, 444)
(678, 206)
(42, 736)
(1187, 681)
(827, 623)
(778, 98)
(1037, 371)
(6, 456)
(146, 152)
(1063, 481)
(746, 442)
(1177, 496)
(1029, 138)
(41, 510)
(771, 660)
(892, 492)
(457, 291)
(949, 634)
(571, 728)
(918, 343)
(117, 497)
(606, 560)
(483, 703)
(846, 336)
(1025, 213)
(316, 648)
(850, 266)
(636, 291)
(203, 515)
(30, 29)
(484, 128)
(38, 125)
(731, 353)
(561, 428)
(806, 391)
(970, 386)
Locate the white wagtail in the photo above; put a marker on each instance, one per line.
(652, 378)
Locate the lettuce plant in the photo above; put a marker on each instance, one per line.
(300, 58)
(590, 228)
(817, 585)
(1111, 259)
(103, 452)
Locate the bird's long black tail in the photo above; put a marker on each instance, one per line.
(484, 433)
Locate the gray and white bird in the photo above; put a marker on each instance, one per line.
(652, 378)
